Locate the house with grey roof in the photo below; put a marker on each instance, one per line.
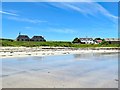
(26, 38)
(23, 38)
(113, 40)
(37, 38)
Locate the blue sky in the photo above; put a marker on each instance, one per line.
(60, 20)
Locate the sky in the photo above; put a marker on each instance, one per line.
(61, 21)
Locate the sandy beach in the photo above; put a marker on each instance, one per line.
(7, 52)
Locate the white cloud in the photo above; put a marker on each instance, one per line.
(27, 20)
(17, 18)
(86, 8)
(104, 11)
(8, 13)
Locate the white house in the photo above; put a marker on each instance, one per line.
(87, 40)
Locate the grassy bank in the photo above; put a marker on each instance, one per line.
(8, 42)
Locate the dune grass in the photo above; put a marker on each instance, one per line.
(9, 42)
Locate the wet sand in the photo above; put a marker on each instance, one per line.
(64, 71)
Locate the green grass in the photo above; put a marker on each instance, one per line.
(8, 42)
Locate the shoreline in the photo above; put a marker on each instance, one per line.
(12, 52)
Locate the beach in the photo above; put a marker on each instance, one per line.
(59, 67)
(88, 70)
(8, 52)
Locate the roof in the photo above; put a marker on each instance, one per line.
(99, 41)
(22, 36)
(86, 38)
(37, 37)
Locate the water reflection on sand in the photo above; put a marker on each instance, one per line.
(66, 71)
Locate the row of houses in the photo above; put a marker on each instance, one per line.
(89, 41)
(82, 40)
(26, 38)
(97, 41)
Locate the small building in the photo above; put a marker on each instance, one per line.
(38, 38)
(98, 41)
(113, 40)
(86, 40)
(23, 38)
